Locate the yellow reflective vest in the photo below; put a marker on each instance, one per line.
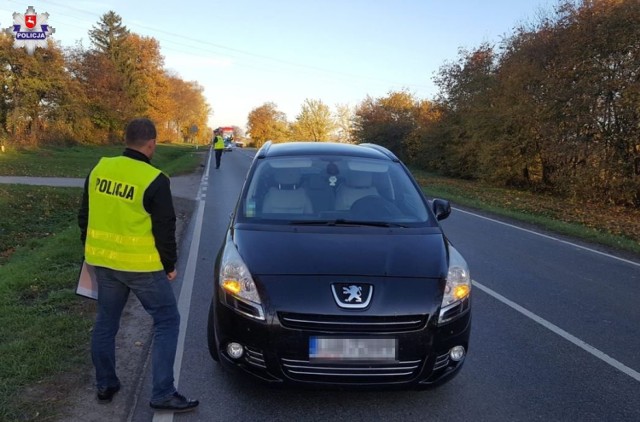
(119, 232)
(218, 142)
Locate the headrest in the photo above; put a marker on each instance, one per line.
(359, 179)
(287, 177)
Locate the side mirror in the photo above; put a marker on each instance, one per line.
(441, 209)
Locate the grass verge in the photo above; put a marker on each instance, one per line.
(44, 326)
(77, 161)
(616, 227)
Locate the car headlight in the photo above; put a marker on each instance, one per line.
(236, 280)
(458, 286)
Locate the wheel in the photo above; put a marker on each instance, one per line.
(211, 336)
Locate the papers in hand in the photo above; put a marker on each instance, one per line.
(87, 283)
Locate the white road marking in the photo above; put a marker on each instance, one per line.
(562, 333)
(184, 302)
(637, 264)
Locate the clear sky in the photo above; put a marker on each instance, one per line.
(248, 52)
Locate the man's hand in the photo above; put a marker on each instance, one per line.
(172, 275)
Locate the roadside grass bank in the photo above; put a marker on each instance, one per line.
(611, 226)
(77, 161)
(44, 326)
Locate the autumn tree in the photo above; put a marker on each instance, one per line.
(267, 123)
(597, 149)
(387, 121)
(108, 75)
(189, 110)
(467, 87)
(36, 95)
(557, 110)
(88, 95)
(314, 123)
(427, 116)
(344, 118)
(151, 84)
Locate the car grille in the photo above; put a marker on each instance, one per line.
(315, 322)
(303, 370)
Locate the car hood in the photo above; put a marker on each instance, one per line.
(336, 251)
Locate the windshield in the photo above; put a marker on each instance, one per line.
(332, 190)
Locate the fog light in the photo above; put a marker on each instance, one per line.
(235, 350)
(456, 353)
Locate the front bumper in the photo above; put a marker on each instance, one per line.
(277, 350)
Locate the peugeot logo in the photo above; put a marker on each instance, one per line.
(352, 295)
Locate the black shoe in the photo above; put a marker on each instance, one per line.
(105, 395)
(177, 403)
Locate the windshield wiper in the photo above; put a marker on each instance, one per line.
(344, 222)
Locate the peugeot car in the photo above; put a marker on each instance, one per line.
(335, 272)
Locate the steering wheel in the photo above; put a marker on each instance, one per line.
(373, 207)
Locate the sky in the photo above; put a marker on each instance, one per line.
(245, 53)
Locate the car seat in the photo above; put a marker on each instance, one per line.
(287, 196)
(357, 184)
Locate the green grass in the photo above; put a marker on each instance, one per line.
(34, 212)
(77, 161)
(44, 325)
(616, 227)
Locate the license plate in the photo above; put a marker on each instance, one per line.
(352, 349)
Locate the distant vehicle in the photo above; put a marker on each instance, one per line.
(240, 144)
(335, 272)
(228, 146)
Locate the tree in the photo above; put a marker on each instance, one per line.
(556, 110)
(387, 121)
(110, 36)
(36, 95)
(188, 109)
(267, 123)
(106, 101)
(149, 91)
(344, 119)
(109, 75)
(314, 122)
(467, 89)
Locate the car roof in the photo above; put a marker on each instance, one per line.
(325, 148)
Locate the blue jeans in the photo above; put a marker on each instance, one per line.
(156, 295)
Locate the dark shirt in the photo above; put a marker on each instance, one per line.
(158, 203)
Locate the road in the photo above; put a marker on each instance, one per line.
(556, 332)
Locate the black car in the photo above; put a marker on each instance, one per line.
(335, 272)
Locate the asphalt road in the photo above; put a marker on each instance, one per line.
(555, 337)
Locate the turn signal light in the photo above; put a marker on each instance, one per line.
(461, 291)
(232, 286)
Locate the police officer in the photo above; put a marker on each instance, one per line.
(218, 146)
(127, 224)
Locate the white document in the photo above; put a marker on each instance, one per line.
(87, 283)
